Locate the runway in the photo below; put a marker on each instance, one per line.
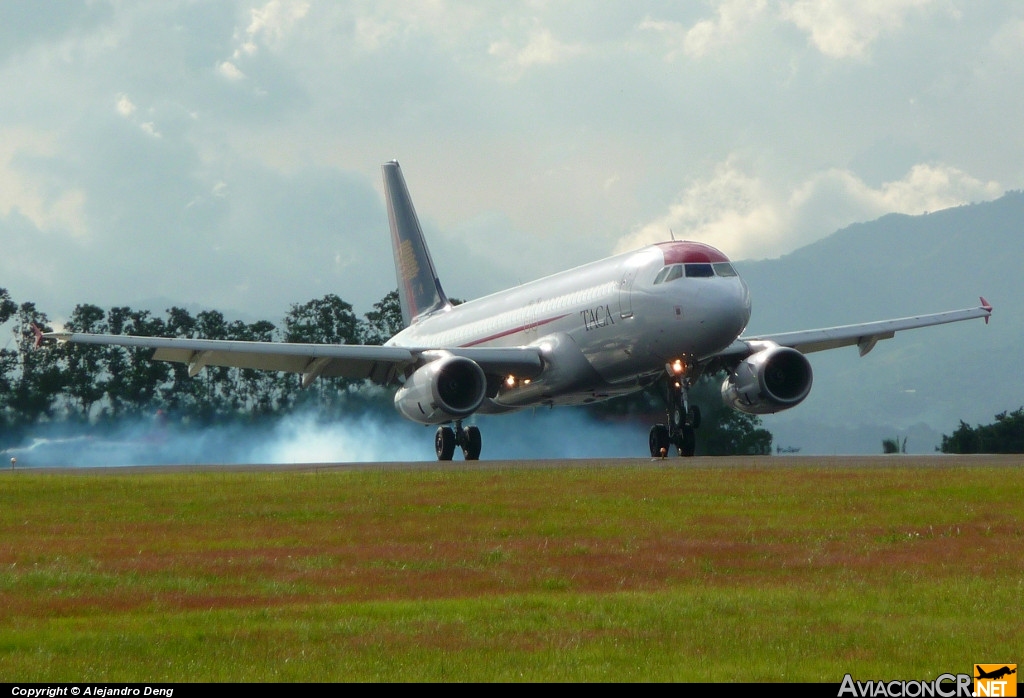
(698, 463)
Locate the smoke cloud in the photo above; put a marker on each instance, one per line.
(308, 438)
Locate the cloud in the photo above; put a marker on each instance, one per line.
(28, 192)
(125, 107)
(732, 19)
(540, 48)
(842, 29)
(230, 71)
(270, 24)
(748, 218)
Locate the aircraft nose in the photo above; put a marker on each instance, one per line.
(728, 316)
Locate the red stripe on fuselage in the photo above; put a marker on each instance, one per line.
(506, 333)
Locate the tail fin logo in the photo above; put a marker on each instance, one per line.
(407, 261)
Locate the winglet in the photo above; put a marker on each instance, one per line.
(419, 290)
(38, 342)
(987, 307)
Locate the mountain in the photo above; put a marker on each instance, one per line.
(920, 384)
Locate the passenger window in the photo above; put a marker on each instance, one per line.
(699, 271)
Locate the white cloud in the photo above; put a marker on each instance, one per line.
(373, 33)
(845, 29)
(731, 20)
(540, 48)
(125, 107)
(1008, 42)
(269, 24)
(230, 71)
(29, 196)
(748, 219)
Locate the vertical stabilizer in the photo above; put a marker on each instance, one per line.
(419, 289)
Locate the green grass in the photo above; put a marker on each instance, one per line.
(641, 571)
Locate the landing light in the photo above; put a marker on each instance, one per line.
(513, 382)
(677, 367)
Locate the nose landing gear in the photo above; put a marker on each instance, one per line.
(682, 420)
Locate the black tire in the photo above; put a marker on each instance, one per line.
(695, 416)
(444, 443)
(471, 443)
(687, 442)
(659, 441)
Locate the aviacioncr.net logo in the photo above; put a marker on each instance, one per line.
(944, 686)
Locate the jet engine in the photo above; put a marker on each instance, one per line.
(450, 387)
(774, 379)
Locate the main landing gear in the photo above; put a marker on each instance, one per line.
(447, 438)
(683, 420)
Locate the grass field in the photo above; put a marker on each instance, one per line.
(791, 569)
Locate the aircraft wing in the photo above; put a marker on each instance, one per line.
(864, 335)
(381, 364)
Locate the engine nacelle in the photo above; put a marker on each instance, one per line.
(772, 380)
(451, 387)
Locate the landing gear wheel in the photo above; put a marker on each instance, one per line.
(694, 420)
(444, 443)
(686, 442)
(471, 443)
(659, 441)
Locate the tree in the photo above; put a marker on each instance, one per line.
(7, 306)
(85, 365)
(35, 391)
(136, 382)
(8, 360)
(184, 395)
(1005, 435)
(384, 321)
(327, 320)
(260, 393)
(894, 445)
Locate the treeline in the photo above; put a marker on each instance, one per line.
(1005, 435)
(102, 385)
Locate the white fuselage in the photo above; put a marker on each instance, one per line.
(605, 328)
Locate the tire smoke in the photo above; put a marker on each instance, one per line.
(308, 438)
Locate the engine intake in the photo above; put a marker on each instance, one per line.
(451, 387)
(772, 380)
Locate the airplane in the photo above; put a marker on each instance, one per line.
(673, 310)
(994, 674)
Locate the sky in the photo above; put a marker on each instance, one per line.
(227, 154)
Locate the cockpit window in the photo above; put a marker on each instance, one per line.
(694, 270)
(699, 270)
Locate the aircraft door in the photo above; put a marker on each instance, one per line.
(625, 292)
